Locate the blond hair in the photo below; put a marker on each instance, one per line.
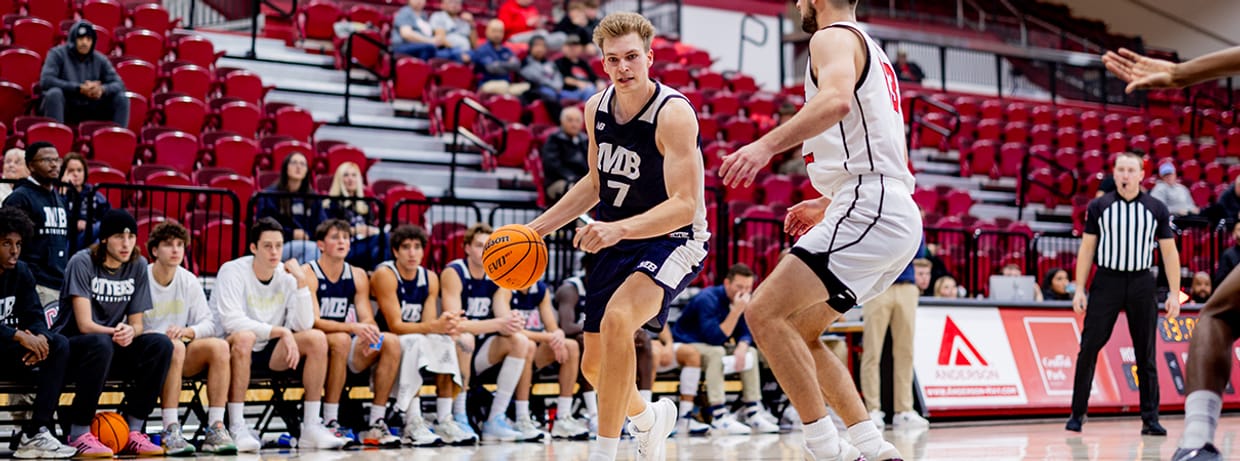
(617, 25)
(337, 189)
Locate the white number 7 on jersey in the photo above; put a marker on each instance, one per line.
(623, 190)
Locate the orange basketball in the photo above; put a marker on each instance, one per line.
(111, 429)
(515, 257)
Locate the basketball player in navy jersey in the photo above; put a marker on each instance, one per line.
(354, 342)
(646, 179)
(855, 240)
(408, 299)
(551, 346)
(1218, 325)
(490, 332)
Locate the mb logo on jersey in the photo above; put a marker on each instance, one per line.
(601, 126)
(649, 265)
(619, 161)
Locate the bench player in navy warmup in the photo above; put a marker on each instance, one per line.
(354, 342)
(26, 343)
(646, 179)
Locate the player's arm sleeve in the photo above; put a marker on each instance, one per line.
(201, 320)
(299, 303)
(229, 300)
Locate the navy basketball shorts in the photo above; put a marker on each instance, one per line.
(671, 262)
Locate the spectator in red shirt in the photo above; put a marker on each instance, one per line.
(522, 21)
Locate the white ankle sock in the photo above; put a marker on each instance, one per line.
(689, 379)
(310, 413)
(169, 417)
(563, 407)
(647, 395)
(822, 437)
(236, 416)
(443, 409)
(376, 412)
(523, 409)
(215, 414)
(686, 407)
(591, 400)
(605, 449)
(1201, 414)
(458, 404)
(645, 420)
(865, 436)
(331, 412)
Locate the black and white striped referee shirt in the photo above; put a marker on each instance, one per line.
(1127, 230)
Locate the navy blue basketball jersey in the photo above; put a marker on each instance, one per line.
(476, 293)
(336, 298)
(630, 165)
(579, 311)
(411, 293)
(527, 303)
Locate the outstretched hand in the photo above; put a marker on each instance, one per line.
(1141, 72)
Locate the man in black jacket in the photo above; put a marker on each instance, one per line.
(26, 343)
(47, 249)
(1230, 258)
(80, 84)
(564, 155)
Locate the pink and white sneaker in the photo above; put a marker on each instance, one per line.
(140, 445)
(88, 446)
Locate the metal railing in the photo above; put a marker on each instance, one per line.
(1053, 188)
(746, 38)
(1197, 118)
(917, 120)
(379, 74)
(459, 131)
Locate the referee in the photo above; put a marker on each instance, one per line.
(1122, 229)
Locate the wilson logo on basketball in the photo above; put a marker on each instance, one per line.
(496, 241)
(956, 348)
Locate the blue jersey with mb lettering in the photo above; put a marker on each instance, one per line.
(411, 293)
(527, 303)
(630, 165)
(476, 293)
(336, 298)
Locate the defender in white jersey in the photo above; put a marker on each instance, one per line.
(855, 240)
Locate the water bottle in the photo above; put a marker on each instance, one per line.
(1072, 288)
(286, 441)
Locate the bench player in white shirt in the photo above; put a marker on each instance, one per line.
(855, 240)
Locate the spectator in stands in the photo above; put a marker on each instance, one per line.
(104, 298)
(348, 193)
(412, 33)
(895, 310)
(30, 352)
(404, 291)
(1013, 270)
(454, 30)
(267, 313)
(945, 287)
(14, 170)
(551, 347)
(1226, 206)
(1231, 256)
(921, 275)
(1173, 194)
(1202, 287)
(576, 23)
(354, 342)
(494, 62)
(80, 84)
(47, 250)
(522, 21)
(907, 71)
(564, 155)
(288, 205)
(74, 174)
(713, 318)
(544, 78)
(490, 332)
(580, 80)
(179, 310)
(1058, 286)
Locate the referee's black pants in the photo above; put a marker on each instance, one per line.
(1132, 293)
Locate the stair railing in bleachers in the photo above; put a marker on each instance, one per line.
(489, 150)
(380, 74)
(916, 119)
(192, 206)
(1053, 188)
(746, 38)
(256, 9)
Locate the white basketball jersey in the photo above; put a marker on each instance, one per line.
(870, 139)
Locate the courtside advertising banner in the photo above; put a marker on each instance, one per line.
(963, 359)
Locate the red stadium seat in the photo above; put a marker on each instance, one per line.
(454, 75)
(144, 44)
(236, 152)
(519, 143)
(507, 108)
(983, 157)
(675, 76)
(1091, 120)
(1190, 171)
(778, 189)
(1010, 156)
(708, 80)
(1067, 137)
(240, 117)
(285, 148)
(140, 77)
(245, 85)
(107, 14)
(338, 155)
(52, 11)
(406, 214)
(34, 34)
(1043, 115)
(138, 108)
(1207, 152)
(241, 186)
(1042, 135)
(185, 114)
(1202, 193)
(989, 129)
(1092, 140)
(296, 122)
(724, 103)
(1092, 162)
(317, 19)
(364, 14)
(1113, 124)
(198, 50)
(20, 66)
(177, 150)
(218, 245)
(1017, 113)
(1214, 174)
(193, 80)
(152, 17)
(1067, 118)
(59, 135)
(1116, 142)
(708, 128)
(116, 146)
(1139, 143)
(740, 130)
(1185, 150)
(412, 77)
(992, 109)
(366, 54)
